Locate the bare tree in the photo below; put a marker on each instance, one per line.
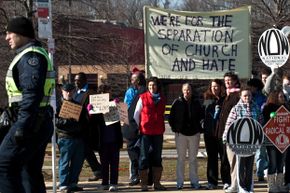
(264, 15)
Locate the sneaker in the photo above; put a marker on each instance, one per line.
(64, 189)
(179, 186)
(195, 186)
(104, 187)
(134, 181)
(226, 186)
(113, 188)
(231, 190)
(211, 186)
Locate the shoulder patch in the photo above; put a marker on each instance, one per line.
(33, 61)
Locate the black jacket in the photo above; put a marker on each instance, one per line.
(70, 128)
(185, 118)
(210, 120)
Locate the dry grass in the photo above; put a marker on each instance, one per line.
(169, 166)
(169, 172)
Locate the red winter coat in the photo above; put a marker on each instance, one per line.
(151, 115)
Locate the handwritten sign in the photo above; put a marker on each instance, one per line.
(197, 45)
(100, 103)
(70, 110)
(113, 115)
(123, 112)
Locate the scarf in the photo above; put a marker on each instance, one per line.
(232, 90)
(156, 97)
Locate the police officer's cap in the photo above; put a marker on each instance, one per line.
(68, 87)
(21, 25)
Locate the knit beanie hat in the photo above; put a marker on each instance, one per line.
(68, 87)
(21, 25)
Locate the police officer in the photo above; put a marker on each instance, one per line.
(29, 84)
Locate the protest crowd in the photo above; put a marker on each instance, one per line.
(231, 115)
(224, 102)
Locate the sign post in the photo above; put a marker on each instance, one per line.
(277, 129)
(45, 32)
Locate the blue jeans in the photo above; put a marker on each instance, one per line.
(154, 143)
(133, 153)
(71, 160)
(261, 158)
(276, 160)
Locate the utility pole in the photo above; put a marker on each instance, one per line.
(45, 32)
(69, 47)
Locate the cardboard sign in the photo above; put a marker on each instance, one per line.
(123, 112)
(245, 136)
(277, 129)
(100, 103)
(70, 110)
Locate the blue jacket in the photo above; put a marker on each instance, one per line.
(130, 95)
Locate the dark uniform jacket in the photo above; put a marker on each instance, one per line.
(185, 118)
(29, 75)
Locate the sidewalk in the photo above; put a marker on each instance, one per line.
(92, 187)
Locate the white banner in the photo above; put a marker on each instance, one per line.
(197, 45)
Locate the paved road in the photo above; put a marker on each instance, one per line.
(93, 188)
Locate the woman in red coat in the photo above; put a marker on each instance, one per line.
(149, 115)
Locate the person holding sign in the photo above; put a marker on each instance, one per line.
(244, 108)
(149, 116)
(185, 116)
(275, 99)
(111, 143)
(259, 98)
(70, 142)
(265, 72)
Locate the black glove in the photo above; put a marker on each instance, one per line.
(19, 136)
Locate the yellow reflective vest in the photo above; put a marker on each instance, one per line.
(15, 95)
